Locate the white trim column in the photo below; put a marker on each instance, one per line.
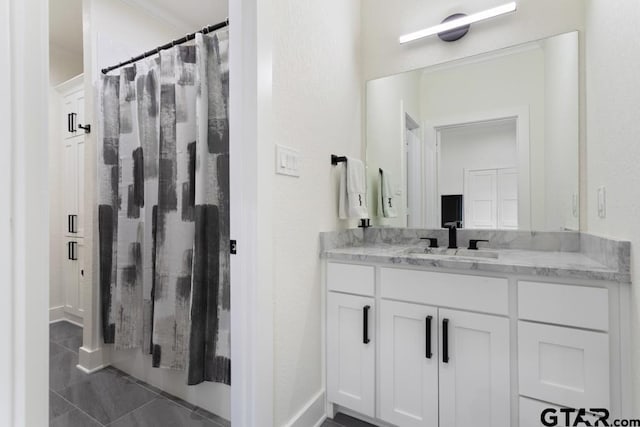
(250, 52)
(24, 216)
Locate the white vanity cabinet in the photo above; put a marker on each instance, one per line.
(456, 349)
(437, 364)
(442, 364)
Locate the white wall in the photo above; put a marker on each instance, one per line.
(317, 110)
(384, 21)
(115, 31)
(63, 64)
(561, 110)
(474, 147)
(613, 129)
(387, 101)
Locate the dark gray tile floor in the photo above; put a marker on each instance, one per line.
(109, 397)
(342, 420)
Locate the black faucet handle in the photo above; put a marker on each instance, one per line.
(433, 242)
(473, 244)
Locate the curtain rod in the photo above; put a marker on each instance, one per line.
(157, 50)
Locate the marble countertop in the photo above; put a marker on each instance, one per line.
(551, 264)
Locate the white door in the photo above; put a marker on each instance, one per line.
(480, 199)
(80, 185)
(408, 368)
(474, 370)
(507, 184)
(351, 352)
(71, 274)
(70, 187)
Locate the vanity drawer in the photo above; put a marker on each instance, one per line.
(350, 278)
(531, 411)
(579, 306)
(565, 366)
(478, 293)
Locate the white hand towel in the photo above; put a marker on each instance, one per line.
(352, 201)
(387, 200)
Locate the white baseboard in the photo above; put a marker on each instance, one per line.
(90, 361)
(311, 414)
(56, 314)
(59, 314)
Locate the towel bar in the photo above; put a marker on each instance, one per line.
(337, 159)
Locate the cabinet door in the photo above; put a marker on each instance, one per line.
(408, 365)
(69, 107)
(79, 106)
(80, 188)
(70, 185)
(351, 352)
(474, 370)
(73, 277)
(71, 274)
(564, 365)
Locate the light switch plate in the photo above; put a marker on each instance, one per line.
(287, 161)
(602, 202)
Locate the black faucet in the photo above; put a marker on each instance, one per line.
(453, 234)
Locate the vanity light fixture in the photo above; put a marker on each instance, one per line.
(458, 22)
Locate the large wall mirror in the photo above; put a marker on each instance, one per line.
(490, 141)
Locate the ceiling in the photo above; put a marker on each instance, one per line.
(186, 15)
(65, 25)
(65, 17)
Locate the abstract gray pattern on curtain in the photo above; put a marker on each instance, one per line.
(164, 209)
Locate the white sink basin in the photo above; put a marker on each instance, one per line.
(460, 252)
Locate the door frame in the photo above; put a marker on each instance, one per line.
(432, 133)
(24, 218)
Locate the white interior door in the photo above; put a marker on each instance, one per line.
(507, 185)
(480, 199)
(408, 368)
(350, 358)
(474, 379)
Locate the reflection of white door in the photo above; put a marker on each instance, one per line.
(480, 199)
(491, 199)
(507, 184)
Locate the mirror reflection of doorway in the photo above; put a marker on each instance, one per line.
(480, 161)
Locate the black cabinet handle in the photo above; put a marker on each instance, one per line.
(428, 352)
(445, 340)
(72, 251)
(71, 122)
(72, 223)
(365, 324)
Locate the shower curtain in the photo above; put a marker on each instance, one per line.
(164, 209)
